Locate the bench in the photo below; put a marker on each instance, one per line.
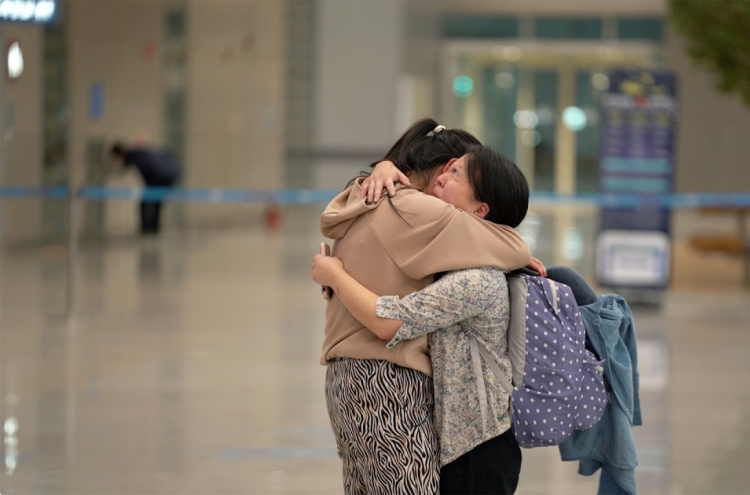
(734, 245)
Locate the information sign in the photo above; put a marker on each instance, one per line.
(639, 111)
(35, 11)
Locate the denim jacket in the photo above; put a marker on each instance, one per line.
(610, 444)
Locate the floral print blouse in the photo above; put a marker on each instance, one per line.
(463, 303)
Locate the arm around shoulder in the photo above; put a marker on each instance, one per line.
(432, 236)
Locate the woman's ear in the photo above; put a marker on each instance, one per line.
(447, 166)
(482, 210)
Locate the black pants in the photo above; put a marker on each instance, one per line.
(490, 468)
(150, 211)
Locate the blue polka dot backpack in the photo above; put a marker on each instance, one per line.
(558, 384)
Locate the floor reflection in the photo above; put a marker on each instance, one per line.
(192, 367)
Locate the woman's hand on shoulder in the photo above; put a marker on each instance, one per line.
(325, 268)
(537, 266)
(384, 176)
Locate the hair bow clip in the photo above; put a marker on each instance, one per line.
(438, 129)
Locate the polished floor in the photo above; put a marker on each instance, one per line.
(191, 367)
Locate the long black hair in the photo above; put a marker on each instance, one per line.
(423, 148)
(497, 181)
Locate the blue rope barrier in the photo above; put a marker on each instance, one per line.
(281, 197)
(322, 197)
(51, 192)
(669, 201)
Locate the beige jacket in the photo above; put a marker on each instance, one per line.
(393, 248)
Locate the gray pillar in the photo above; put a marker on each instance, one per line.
(359, 53)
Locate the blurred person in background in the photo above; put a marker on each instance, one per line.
(475, 458)
(380, 399)
(158, 168)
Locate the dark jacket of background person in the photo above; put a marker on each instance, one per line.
(610, 444)
(158, 168)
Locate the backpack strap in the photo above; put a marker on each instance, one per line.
(518, 289)
(553, 287)
(478, 353)
(477, 363)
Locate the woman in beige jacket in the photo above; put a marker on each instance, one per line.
(380, 399)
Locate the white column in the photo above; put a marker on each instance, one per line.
(526, 100)
(565, 161)
(565, 139)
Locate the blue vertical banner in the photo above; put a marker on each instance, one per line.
(639, 124)
(96, 101)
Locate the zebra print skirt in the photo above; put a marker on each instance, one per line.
(381, 415)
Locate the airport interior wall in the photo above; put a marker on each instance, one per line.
(376, 68)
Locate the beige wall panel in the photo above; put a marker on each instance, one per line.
(713, 149)
(108, 42)
(235, 100)
(21, 154)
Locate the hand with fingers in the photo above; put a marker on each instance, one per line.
(538, 267)
(384, 176)
(325, 269)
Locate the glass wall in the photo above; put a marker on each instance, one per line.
(500, 100)
(530, 87)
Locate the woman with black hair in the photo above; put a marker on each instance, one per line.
(418, 157)
(478, 452)
(380, 398)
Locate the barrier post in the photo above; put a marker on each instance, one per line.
(73, 240)
(70, 313)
